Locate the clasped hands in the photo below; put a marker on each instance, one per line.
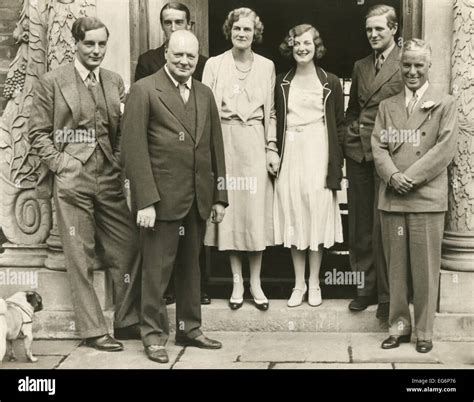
(402, 183)
(273, 159)
(146, 217)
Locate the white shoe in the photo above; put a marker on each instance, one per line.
(314, 296)
(297, 296)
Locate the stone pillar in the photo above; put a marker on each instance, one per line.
(457, 274)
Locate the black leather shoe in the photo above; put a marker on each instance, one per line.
(423, 346)
(235, 305)
(393, 341)
(157, 353)
(360, 303)
(200, 341)
(383, 311)
(170, 299)
(261, 304)
(126, 333)
(205, 299)
(105, 343)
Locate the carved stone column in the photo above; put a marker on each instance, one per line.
(457, 276)
(25, 215)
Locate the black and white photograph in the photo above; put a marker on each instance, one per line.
(237, 186)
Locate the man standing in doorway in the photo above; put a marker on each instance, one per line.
(374, 78)
(174, 16)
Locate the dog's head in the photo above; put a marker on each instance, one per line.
(35, 299)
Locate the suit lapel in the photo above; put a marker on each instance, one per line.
(201, 110)
(285, 89)
(367, 74)
(398, 114)
(389, 68)
(160, 55)
(111, 96)
(171, 99)
(67, 83)
(323, 78)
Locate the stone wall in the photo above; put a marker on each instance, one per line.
(9, 12)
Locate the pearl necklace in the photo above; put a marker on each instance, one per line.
(246, 72)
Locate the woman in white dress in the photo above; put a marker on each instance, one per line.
(243, 82)
(310, 112)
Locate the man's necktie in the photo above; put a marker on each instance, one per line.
(412, 103)
(378, 63)
(91, 83)
(90, 80)
(183, 92)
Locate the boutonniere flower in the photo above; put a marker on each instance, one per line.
(428, 105)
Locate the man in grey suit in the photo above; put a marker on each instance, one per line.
(413, 142)
(173, 154)
(374, 78)
(74, 128)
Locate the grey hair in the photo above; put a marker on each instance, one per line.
(417, 44)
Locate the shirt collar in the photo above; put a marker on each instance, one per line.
(84, 72)
(419, 92)
(176, 83)
(385, 53)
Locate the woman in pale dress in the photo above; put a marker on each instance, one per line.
(310, 112)
(243, 82)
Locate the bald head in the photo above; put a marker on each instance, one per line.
(184, 37)
(182, 54)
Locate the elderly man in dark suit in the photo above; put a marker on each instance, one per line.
(173, 154)
(413, 142)
(173, 17)
(74, 128)
(374, 78)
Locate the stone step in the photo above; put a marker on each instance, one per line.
(456, 292)
(53, 286)
(61, 324)
(331, 316)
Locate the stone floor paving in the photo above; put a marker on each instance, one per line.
(255, 350)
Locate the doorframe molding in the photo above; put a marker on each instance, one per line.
(412, 19)
(139, 38)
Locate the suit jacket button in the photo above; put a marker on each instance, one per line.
(418, 153)
(423, 133)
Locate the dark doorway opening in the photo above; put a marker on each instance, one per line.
(340, 23)
(342, 28)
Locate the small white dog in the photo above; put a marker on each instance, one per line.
(16, 321)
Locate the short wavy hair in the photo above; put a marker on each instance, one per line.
(174, 5)
(84, 24)
(388, 11)
(236, 15)
(286, 47)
